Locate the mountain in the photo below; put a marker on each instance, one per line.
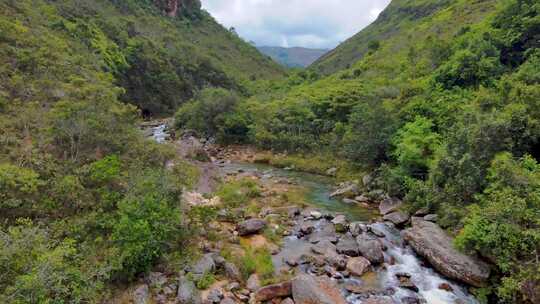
(292, 57)
(397, 23)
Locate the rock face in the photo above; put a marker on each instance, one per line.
(252, 226)
(273, 291)
(310, 290)
(347, 190)
(431, 242)
(173, 8)
(203, 266)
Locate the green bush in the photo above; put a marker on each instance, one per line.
(19, 190)
(415, 146)
(148, 222)
(505, 225)
(208, 113)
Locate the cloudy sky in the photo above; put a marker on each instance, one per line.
(307, 23)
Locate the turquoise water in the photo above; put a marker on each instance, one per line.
(318, 189)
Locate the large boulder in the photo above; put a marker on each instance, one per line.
(398, 218)
(347, 245)
(370, 248)
(141, 295)
(431, 242)
(389, 205)
(251, 226)
(311, 290)
(187, 292)
(358, 266)
(348, 190)
(270, 292)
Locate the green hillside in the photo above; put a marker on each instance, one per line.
(394, 25)
(439, 100)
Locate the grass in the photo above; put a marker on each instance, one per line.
(238, 193)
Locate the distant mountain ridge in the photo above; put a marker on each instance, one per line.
(294, 56)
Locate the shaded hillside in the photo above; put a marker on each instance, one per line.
(397, 19)
(293, 57)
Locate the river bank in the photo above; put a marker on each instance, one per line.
(279, 235)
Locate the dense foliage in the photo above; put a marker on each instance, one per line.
(85, 201)
(444, 107)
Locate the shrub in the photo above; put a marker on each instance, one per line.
(148, 222)
(415, 146)
(238, 193)
(19, 189)
(505, 224)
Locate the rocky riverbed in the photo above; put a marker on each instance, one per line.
(345, 244)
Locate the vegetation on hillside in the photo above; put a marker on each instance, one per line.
(444, 107)
(85, 201)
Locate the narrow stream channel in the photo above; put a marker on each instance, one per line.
(398, 258)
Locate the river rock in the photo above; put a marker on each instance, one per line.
(251, 226)
(228, 300)
(405, 282)
(326, 233)
(215, 296)
(324, 247)
(431, 242)
(358, 266)
(253, 283)
(340, 223)
(187, 292)
(347, 190)
(307, 227)
(370, 248)
(378, 300)
(203, 266)
(357, 228)
(347, 245)
(389, 205)
(376, 231)
(232, 271)
(398, 218)
(331, 171)
(274, 291)
(315, 290)
(141, 295)
(431, 218)
(287, 301)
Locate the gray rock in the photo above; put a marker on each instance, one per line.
(310, 290)
(307, 227)
(141, 295)
(287, 301)
(398, 218)
(347, 245)
(232, 272)
(431, 242)
(215, 295)
(421, 212)
(324, 247)
(357, 228)
(348, 190)
(187, 292)
(203, 266)
(340, 223)
(376, 231)
(252, 226)
(228, 300)
(157, 280)
(431, 218)
(327, 233)
(389, 205)
(370, 248)
(331, 171)
(253, 282)
(362, 199)
(366, 180)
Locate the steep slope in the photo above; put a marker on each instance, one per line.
(292, 57)
(394, 23)
(160, 52)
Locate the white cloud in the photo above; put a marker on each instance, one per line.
(307, 23)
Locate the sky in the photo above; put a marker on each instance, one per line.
(288, 23)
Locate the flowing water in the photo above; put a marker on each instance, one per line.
(399, 258)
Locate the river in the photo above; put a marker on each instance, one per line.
(399, 258)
